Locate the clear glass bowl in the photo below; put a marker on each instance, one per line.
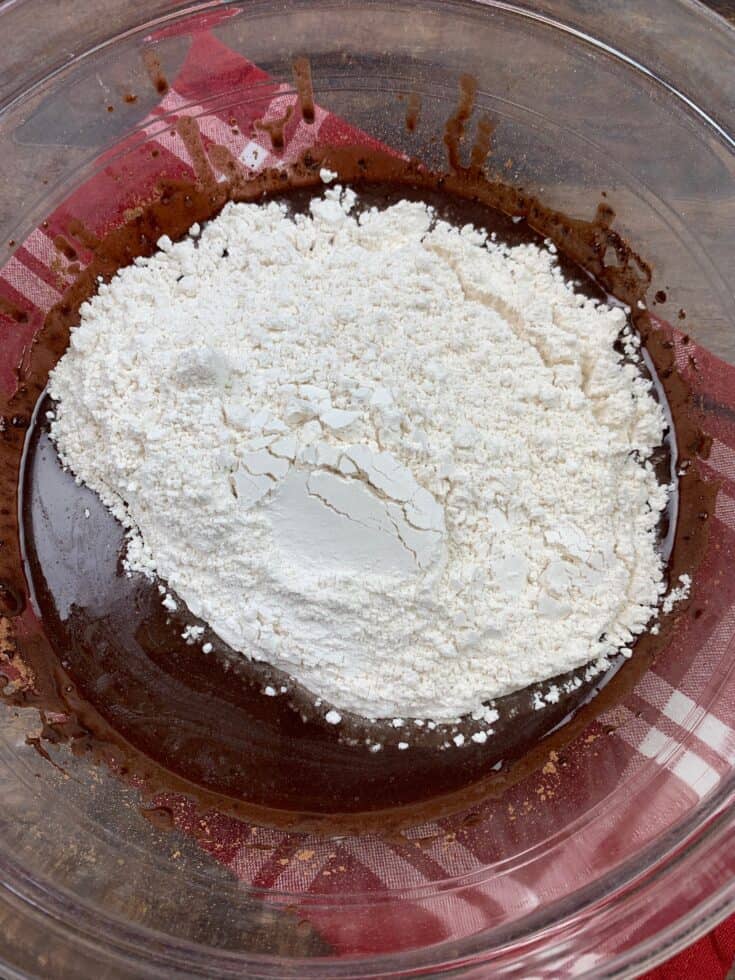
(619, 852)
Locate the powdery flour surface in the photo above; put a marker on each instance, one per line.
(396, 459)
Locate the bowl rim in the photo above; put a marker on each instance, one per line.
(694, 841)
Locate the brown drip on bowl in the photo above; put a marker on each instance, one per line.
(155, 73)
(275, 128)
(413, 111)
(304, 88)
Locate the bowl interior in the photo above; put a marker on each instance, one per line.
(634, 797)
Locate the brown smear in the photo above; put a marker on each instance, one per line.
(155, 73)
(275, 128)
(483, 141)
(223, 160)
(188, 129)
(58, 268)
(162, 817)
(604, 215)
(413, 111)
(16, 313)
(65, 248)
(35, 742)
(457, 122)
(304, 88)
(219, 740)
(85, 236)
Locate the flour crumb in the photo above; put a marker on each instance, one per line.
(192, 633)
(552, 695)
(677, 594)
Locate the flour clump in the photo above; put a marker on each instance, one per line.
(397, 459)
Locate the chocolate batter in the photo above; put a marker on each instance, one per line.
(111, 659)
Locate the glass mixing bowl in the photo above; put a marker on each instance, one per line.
(620, 851)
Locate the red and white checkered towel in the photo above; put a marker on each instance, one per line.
(632, 777)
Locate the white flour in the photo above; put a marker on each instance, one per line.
(395, 459)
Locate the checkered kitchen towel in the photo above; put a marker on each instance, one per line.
(630, 747)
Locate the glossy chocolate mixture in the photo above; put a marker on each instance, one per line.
(111, 659)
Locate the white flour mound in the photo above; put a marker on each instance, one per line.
(399, 461)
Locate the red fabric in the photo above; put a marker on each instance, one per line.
(708, 959)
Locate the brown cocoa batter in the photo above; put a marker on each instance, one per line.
(111, 659)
